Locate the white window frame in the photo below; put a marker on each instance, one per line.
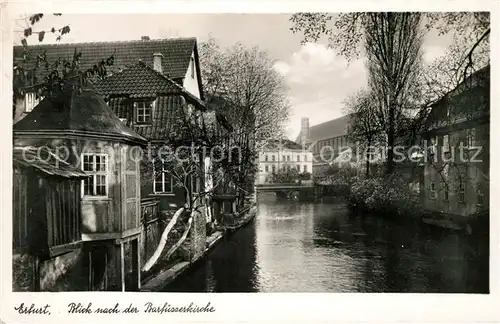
(164, 176)
(265, 158)
(266, 168)
(433, 190)
(305, 168)
(30, 101)
(143, 106)
(95, 173)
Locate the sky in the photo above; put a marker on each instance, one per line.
(318, 80)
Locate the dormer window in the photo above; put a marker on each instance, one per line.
(143, 111)
(30, 101)
(122, 112)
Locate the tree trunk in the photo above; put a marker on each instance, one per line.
(163, 241)
(390, 135)
(182, 239)
(368, 159)
(390, 151)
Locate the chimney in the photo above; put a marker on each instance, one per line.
(157, 62)
(304, 131)
(145, 38)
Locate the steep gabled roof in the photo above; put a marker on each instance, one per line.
(83, 114)
(330, 129)
(141, 81)
(176, 52)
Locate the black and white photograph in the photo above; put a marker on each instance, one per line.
(299, 152)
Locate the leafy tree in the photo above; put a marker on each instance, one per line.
(243, 86)
(183, 159)
(345, 32)
(391, 42)
(365, 130)
(286, 174)
(35, 72)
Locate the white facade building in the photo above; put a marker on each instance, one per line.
(281, 155)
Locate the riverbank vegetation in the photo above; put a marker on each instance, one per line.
(388, 197)
(391, 112)
(377, 194)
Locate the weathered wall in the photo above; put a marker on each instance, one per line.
(22, 272)
(474, 174)
(66, 272)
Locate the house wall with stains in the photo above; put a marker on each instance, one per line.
(457, 180)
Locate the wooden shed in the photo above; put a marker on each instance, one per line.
(46, 207)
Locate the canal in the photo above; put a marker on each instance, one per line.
(297, 247)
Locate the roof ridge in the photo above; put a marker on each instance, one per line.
(161, 74)
(141, 63)
(114, 42)
(328, 121)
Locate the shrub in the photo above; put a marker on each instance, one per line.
(390, 197)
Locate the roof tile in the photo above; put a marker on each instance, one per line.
(175, 62)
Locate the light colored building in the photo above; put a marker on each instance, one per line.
(278, 155)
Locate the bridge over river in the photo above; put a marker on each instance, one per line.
(287, 190)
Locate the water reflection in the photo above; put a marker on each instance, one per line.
(296, 247)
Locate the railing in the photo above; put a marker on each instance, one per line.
(152, 228)
(150, 210)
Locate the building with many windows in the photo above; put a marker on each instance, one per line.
(456, 179)
(282, 155)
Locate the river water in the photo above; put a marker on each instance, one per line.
(297, 247)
